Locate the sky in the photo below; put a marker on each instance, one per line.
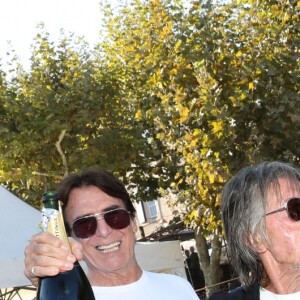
(19, 20)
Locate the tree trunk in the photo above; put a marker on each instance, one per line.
(210, 264)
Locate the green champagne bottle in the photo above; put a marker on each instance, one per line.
(69, 285)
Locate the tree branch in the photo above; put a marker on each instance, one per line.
(58, 147)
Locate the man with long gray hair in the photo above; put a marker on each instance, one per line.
(260, 209)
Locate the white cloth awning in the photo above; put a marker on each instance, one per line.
(18, 222)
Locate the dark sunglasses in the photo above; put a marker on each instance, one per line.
(292, 208)
(85, 227)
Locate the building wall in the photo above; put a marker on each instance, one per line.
(148, 221)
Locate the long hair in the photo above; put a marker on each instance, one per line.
(243, 209)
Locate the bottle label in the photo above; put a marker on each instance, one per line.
(52, 221)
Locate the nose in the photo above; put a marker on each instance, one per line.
(103, 229)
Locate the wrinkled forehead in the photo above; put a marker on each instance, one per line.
(283, 188)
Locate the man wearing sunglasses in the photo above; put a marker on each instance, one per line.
(100, 218)
(260, 209)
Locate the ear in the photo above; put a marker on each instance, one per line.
(257, 243)
(134, 225)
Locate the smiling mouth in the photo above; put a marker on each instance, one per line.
(109, 248)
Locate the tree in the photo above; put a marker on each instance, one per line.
(63, 115)
(211, 90)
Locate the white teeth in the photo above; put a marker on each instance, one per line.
(109, 248)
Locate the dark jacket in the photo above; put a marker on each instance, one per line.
(239, 293)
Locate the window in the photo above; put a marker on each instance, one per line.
(151, 211)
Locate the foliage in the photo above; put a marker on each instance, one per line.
(219, 87)
(62, 116)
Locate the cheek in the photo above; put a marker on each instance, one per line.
(283, 242)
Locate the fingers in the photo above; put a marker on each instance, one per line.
(31, 276)
(76, 249)
(46, 255)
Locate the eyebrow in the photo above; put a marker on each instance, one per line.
(104, 210)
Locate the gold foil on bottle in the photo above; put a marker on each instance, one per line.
(53, 222)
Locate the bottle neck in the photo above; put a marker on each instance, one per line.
(51, 203)
(51, 200)
(53, 217)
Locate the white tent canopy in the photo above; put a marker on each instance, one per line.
(161, 257)
(18, 222)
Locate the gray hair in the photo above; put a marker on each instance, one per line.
(243, 209)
